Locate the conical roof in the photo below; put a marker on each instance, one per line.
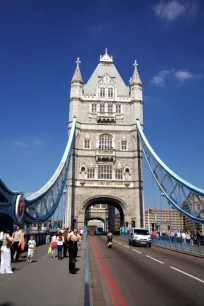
(135, 80)
(106, 67)
(77, 74)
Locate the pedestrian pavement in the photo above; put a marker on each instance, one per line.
(44, 282)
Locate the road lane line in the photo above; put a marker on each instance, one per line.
(137, 251)
(119, 243)
(155, 259)
(126, 246)
(196, 278)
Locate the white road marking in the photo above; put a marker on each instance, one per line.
(155, 259)
(137, 251)
(126, 246)
(119, 243)
(198, 279)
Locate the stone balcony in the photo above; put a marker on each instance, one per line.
(106, 117)
(105, 155)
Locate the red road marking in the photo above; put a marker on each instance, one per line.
(108, 277)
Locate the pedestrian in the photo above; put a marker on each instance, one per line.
(79, 241)
(6, 254)
(73, 239)
(199, 235)
(1, 238)
(65, 244)
(31, 248)
(188, 238)
(183, 236)
(81, 233)
(60, 241)
(16, 244)
(53, 245)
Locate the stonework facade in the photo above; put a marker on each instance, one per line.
(107, 158)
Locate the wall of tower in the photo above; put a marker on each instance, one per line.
(118, 149)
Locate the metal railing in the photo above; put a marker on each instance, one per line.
(181, 245)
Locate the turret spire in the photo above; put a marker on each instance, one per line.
(77, 74)
(135, 80)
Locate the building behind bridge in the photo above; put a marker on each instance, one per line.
(163, 219)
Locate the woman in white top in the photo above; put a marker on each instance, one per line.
(60, 241)
(6, 254)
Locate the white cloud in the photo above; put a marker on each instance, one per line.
(183, 75)
(20, 144)
(172, 10)
(180, 75)
(37, 142)
(160, 77)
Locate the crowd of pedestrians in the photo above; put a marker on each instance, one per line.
(63, 243)
(66, 241)
(184, 237)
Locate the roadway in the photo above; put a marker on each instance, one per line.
(140, 276)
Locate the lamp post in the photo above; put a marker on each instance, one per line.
(161, 219)
(63, 208)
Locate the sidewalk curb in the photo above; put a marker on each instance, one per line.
(87, 293)
(178, 251)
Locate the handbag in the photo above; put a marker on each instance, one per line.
(22, 245)
(49, 251)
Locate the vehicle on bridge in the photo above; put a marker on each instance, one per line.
(139, 236)
(92, 230)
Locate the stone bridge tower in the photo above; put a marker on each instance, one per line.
(107, 159)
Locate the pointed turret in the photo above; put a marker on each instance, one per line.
(77, 74)
(135, 80)
(77, 82)
(136, 84)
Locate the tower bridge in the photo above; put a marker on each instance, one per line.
(102, 162)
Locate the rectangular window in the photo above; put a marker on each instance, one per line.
(124, 145)
(91, 173)
(105, 172)
(102, 108)
(118, 109)
(110, 107)
(102, 92)
(86, 144)
(110, 92)
(94, 108)
(118, 174)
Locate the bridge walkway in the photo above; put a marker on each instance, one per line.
(45, 281)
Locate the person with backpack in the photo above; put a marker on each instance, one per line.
(53, 245)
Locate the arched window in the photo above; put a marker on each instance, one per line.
(105, 141)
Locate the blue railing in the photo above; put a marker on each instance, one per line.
(180, 244)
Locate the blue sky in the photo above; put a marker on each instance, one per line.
(39, 43)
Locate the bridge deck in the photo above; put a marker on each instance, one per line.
(46, 281)
(124, 275)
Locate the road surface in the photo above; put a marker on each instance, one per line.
(140, 276)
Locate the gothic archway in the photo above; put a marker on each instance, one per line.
(109, 201)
